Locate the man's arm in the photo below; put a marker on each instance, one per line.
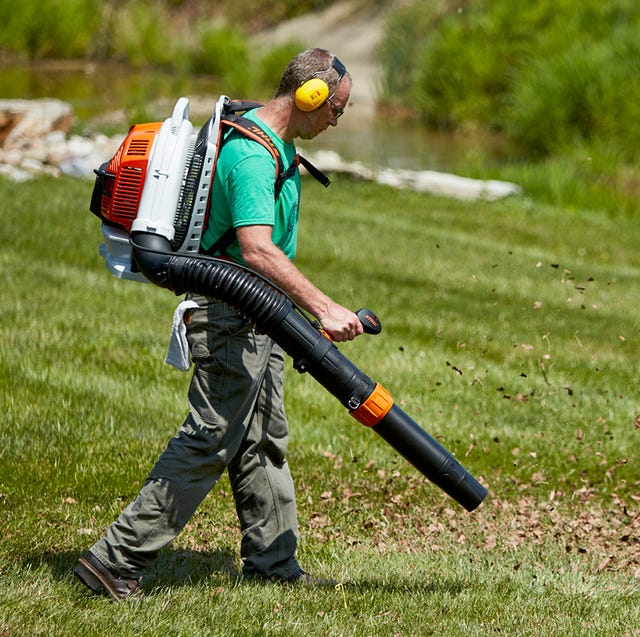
(262, 255)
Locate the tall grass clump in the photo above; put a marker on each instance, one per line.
(408, 29)
(143, 35)
(588, 92)
(62, 28)
(172, 35)
(224, 53)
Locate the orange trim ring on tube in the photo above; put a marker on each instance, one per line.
(375, 408)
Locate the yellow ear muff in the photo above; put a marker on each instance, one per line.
(312, 94)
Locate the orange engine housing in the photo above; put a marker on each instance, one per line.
(125, 175)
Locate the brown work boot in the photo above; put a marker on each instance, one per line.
(98, 578)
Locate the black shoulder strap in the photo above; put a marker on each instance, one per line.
(222, 243)
(317, 174)
(253, 131)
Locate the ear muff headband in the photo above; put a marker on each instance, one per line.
(313, 93)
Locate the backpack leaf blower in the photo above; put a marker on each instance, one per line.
(153, 198)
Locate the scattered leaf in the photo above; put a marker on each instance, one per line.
(83, 531)
(537, 477)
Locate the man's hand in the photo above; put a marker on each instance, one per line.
(340, 323)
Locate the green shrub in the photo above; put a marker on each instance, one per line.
(62, 28)
(547, 73)
(454, 66)
(405, 38)
(263, 13)
(588, 92)
(143, 36)
(223, 53)
(556, 78)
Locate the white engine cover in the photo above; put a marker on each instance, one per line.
(169, 155)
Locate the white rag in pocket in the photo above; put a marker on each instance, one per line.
(178, 352)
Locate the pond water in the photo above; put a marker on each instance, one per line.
(115, 96)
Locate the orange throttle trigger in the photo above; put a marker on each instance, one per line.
(322, 331)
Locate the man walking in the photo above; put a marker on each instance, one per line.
(236, 417)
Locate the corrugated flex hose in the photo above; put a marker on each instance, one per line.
(275, 314)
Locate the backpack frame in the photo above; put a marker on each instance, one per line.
(160, 178)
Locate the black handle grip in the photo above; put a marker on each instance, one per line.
(369, 320)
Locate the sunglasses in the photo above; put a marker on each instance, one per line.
(336, 111)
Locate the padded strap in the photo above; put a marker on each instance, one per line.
(251, 130)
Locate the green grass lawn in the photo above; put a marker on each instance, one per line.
(510, 333)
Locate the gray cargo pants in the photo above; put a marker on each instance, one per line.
(236, 421)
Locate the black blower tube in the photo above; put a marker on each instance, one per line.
(274, 314)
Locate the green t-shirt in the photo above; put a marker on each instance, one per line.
(242, 193)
